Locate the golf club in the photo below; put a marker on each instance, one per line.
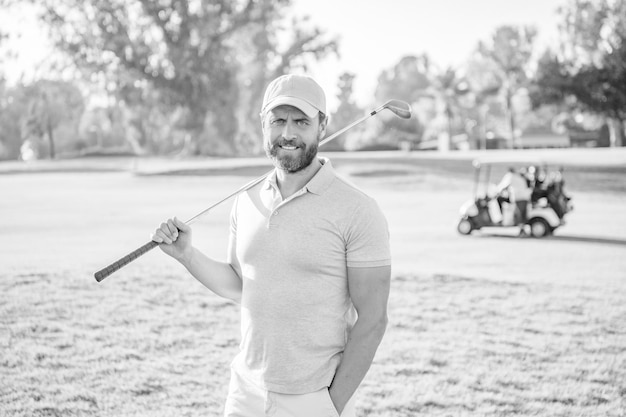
(397, 107)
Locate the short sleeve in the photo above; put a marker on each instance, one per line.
(367, 237)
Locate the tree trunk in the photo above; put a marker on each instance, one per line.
(50, 136)
(449, 120)
(616, 132)
(511, 114)
(482, 114)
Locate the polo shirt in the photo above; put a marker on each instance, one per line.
(292, 257)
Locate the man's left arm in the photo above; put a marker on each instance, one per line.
(369, 291)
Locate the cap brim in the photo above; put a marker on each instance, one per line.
(298, 103)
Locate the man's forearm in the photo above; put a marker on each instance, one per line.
(219, 277)
(357, 358)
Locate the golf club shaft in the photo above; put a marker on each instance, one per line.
(120, 263)
(262, 177)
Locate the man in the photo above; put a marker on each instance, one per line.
(519, 192)
(309, 262)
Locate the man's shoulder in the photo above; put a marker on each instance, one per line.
(345, 197)
(344, 187)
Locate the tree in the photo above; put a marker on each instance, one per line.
(435, 94)
(42, 119)
(12, 106)
(49, 110)
(407, 80)
(484, 86)
(447, 87)
(9, 128)
(189, 52)
(510, 49)
(588, 71)
(347, 112)
(51, 105)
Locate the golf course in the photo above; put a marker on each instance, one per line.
(489, 324)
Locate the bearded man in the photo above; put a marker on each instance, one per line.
(309, 263)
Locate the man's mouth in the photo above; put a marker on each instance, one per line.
(288, 147)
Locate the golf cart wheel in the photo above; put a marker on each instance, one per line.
(464, 227)
(539, 227)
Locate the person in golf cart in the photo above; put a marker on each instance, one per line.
(514, 188)
(537, 182)
(308, 261)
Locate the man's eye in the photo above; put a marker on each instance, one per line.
(303, 123)
(277, 122)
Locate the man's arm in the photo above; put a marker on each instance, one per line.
(369, 291)
(219, 277)
(174, 238)
(505, 182)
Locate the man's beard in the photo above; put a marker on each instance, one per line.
(291, 163)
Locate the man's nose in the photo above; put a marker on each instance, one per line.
(289, 131)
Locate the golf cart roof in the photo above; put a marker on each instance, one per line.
(481, 162)
(522, 158)
(552, 157)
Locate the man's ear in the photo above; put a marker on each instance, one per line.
(321, 131)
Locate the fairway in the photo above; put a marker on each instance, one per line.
(481, 325)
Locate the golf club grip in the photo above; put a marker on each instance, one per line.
(119, 264)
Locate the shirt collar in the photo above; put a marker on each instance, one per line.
(270, 181)
(316, 185)
(322, 179)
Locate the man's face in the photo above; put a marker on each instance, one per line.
(290, 137)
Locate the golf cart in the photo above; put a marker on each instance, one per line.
(493, 207)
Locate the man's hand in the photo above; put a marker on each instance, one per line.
(369, 291)
(174, 238)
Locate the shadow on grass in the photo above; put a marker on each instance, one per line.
(563, 238)
(590, 239)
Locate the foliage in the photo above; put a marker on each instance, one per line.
(484, 109)
(347, 112)
(407, 80)
(201, 61)
(54, 106)
(437, 96)
(448, 88)
(591, 31)
(12, 106)
(39, 116)
(187, 77)
(510, 50)
(589, 70)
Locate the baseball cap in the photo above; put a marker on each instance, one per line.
(299, 91)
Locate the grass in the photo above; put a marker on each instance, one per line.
(460, 346)
(160, 345)
(141, 347)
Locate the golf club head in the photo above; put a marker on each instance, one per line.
(399, 108)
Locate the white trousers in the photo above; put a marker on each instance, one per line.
(247, 400)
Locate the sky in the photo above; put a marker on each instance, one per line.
(375, 35)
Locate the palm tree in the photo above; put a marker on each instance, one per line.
(510, 50)
(446, 88)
